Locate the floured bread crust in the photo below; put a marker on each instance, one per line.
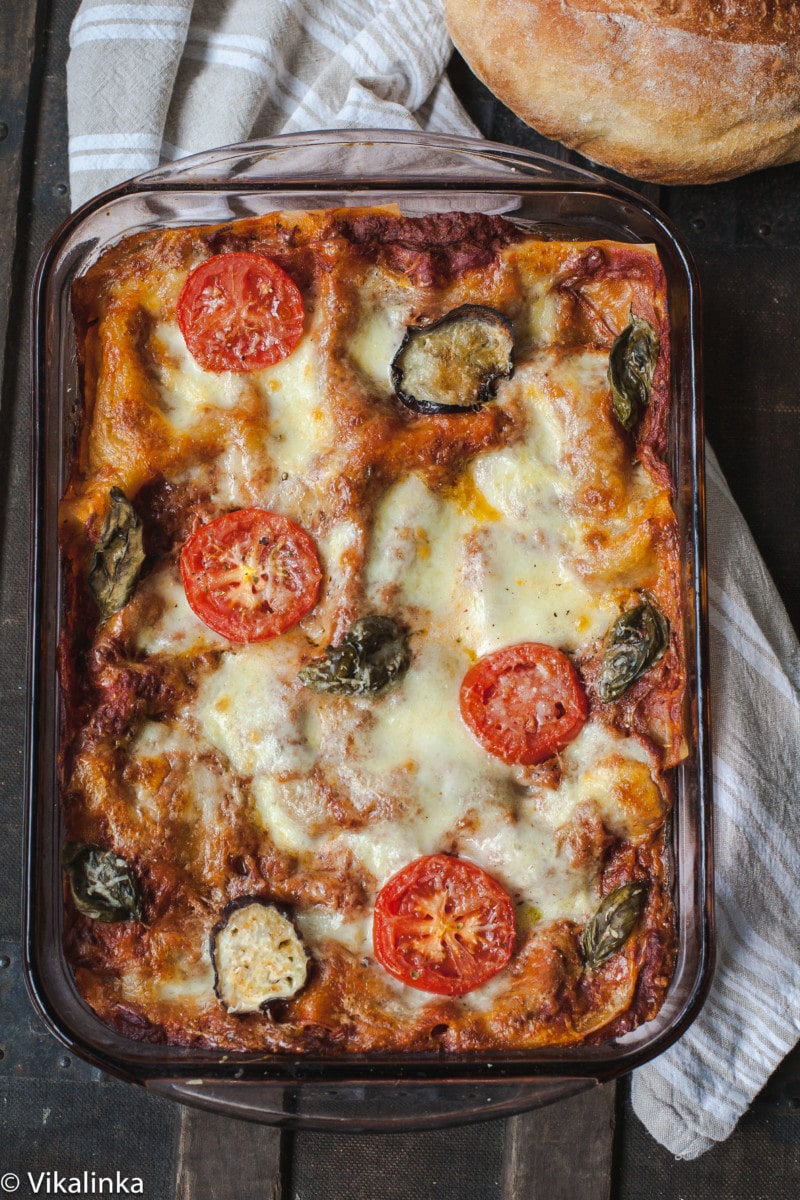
(658, 89)
(225, 783)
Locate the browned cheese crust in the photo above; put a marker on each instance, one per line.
(663, 90)
(189, 867)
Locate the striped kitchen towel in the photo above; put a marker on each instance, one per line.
(694, 1093)
(150, 82)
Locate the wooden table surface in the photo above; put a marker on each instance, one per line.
(57, 1113)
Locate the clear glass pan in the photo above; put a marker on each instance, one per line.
(422, 174)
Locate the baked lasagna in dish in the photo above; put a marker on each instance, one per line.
(372, 653)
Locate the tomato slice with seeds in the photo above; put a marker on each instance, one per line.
(240, 312)
(443, 925)
(524, 703)
(250, 574)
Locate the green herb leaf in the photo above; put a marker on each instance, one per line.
(371, 656)
(631, 365)
(613, 923)
(634, 643)
(118, 556)
(103, 886)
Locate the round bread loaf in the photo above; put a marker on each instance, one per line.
(674, 91)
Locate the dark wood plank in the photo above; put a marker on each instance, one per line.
(563, 1152)
(745, 236)
(223, 1159)
(17, 36)
(462, 1163)
(57, 1113)
(759, 1161)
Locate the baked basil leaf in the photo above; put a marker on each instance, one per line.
(118, 556)
(634, 643)
(454, 364)
(631, 365)
(371, 656)
(613, 923)
(103, 885)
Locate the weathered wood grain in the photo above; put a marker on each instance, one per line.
(562, 1152)
(224, 1159)
(17, 28)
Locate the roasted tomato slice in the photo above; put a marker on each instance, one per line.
(443, 925)
(240, 312)
(250, 574)
(524, 703)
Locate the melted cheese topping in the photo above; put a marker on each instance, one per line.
(171, 627)
(299, 426)
(452, 794)
(252, 710)
(465, 587)
(417, 550)
(188, 393)
(375, 342)
(538, 538)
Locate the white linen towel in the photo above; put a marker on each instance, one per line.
(149, 82)
(692, 1095)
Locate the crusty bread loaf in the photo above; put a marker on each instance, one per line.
(674, 91)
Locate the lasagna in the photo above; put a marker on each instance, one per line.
(371, 655)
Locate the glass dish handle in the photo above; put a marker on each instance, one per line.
(387, 157)
(386, 1107)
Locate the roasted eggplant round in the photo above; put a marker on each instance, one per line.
(454, 364)
(257, 956)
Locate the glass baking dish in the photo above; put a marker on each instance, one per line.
(422, 174)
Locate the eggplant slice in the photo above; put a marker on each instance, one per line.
(454, 364)
(257, 957)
